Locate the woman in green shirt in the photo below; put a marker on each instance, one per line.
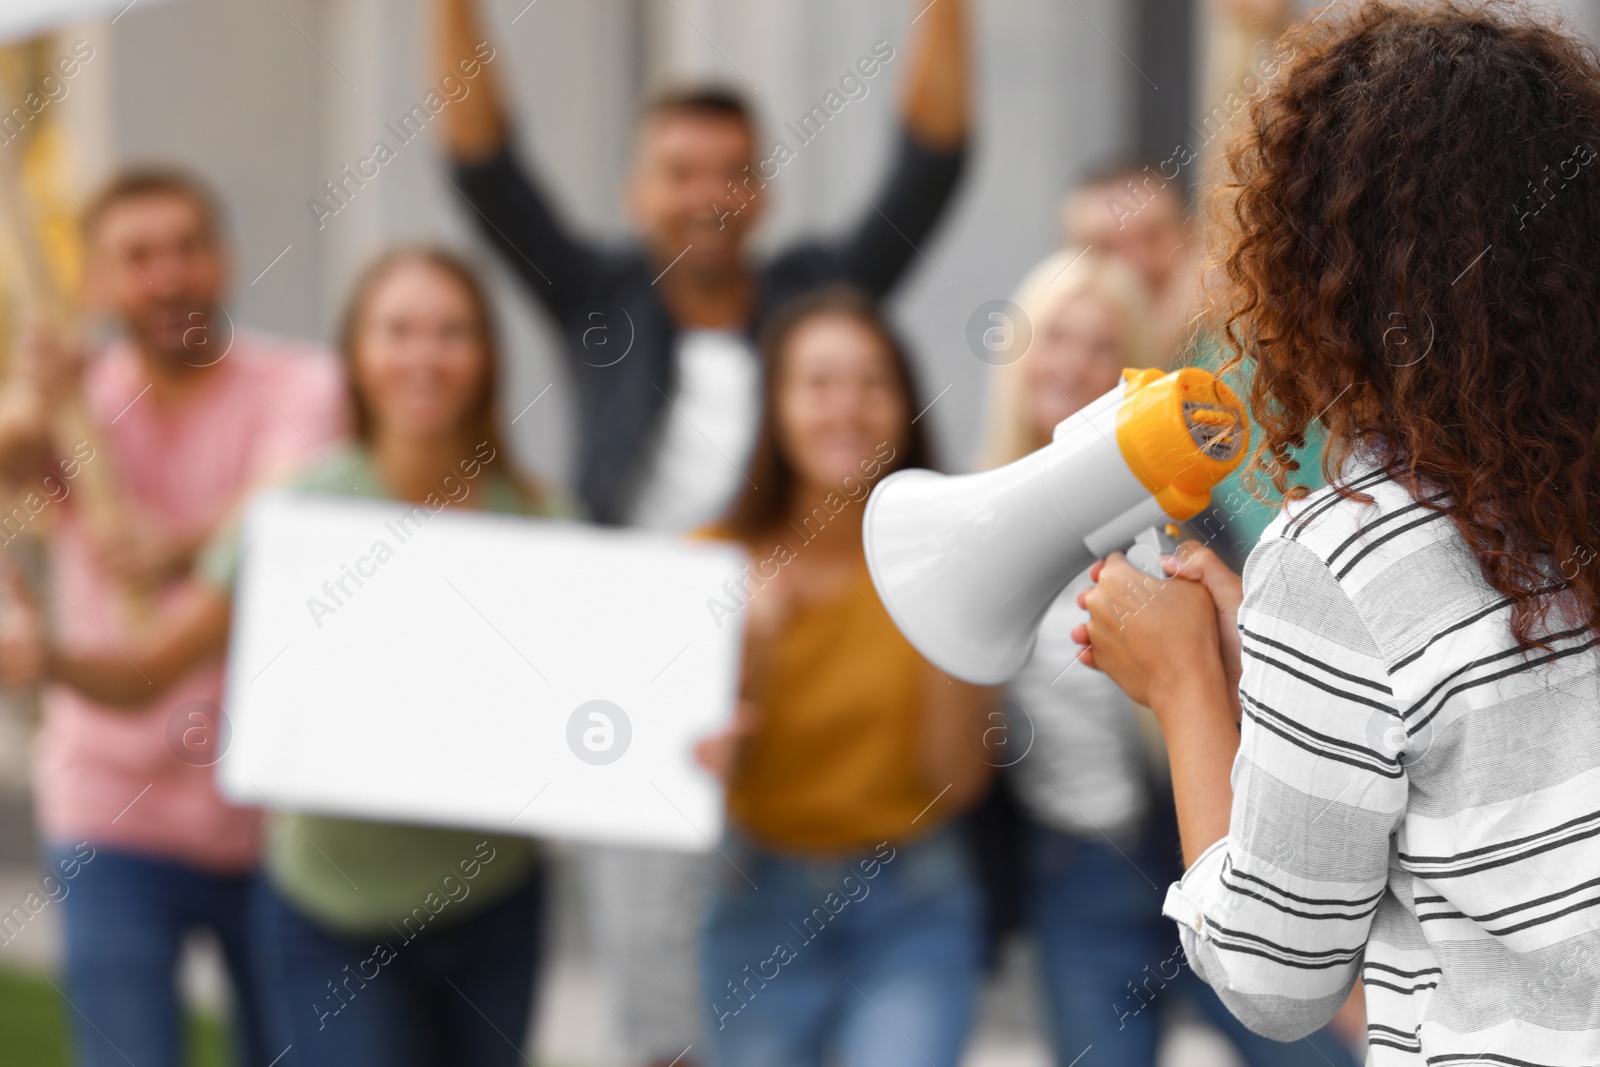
(378, 943)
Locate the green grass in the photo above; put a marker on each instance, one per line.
(34, 1022)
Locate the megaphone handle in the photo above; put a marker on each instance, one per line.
(1147, 549)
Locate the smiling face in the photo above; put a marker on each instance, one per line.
(682, 190)
(1075, 359)
(156, 264)
(420, 354)
(839, 401)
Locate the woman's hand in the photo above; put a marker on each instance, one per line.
(1154, 637)
(142, 551)
(1160, 640)
(1197, 563)
(720, 752)
(767, 611)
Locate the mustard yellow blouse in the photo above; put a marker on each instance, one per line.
(834, 766)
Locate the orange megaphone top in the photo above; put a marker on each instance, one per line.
(1181, 433)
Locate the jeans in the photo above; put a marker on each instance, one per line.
(124, 919)
(1112, 962)
(865, 961)
(454, 997)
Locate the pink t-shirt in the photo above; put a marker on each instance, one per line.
(141, 779)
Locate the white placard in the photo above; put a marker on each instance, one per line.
(393, 663)
(24, 18)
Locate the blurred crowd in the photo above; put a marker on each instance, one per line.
(900, 825)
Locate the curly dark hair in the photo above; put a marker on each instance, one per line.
(1410, 230)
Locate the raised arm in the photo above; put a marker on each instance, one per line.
(937, 106)
(935, 124)
(129, 676)
(506, 203)
(156, 662)
(474, 127)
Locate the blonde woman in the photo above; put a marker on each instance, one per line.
(1087, 319)
(1100, 840)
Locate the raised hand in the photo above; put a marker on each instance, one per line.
(1154, 637)
(1197, 563)
(49, 363)
(45, 373)
(142, 552)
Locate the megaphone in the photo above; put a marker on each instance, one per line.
(967, 565)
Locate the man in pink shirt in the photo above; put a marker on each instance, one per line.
(188, 413)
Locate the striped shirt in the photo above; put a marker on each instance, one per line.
(1415, 801)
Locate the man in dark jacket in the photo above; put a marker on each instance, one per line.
(687, 295)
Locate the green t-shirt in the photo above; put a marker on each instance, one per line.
(1246, 516)
(360, 877)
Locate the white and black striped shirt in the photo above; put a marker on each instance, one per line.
(1415, 800)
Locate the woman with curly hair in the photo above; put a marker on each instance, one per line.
(1406, 686)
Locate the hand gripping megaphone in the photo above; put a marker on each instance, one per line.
(967, 565)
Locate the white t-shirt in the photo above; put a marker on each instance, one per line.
(1086, 772)
(697, 461)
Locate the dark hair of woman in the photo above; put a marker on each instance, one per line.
(771, 482)
(1411, 231)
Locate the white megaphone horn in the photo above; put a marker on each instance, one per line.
(967, 565)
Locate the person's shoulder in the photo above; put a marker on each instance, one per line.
(1365, 507)
(286, 361)
(1388, 550)
(621, 263)
(796, 267)
(339, 469)
(1382, 553)
(535, 498)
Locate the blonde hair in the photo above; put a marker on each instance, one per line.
(1010, 432)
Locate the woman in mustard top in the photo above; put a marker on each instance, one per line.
(853, 755)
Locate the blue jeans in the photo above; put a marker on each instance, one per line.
(456, 997)
(864, 961)
(1112, 962)
(124, 918)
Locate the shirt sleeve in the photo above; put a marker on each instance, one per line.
(516, 216)
(901, 214)
(1275, 916)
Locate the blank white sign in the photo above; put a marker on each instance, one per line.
(444, 668)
